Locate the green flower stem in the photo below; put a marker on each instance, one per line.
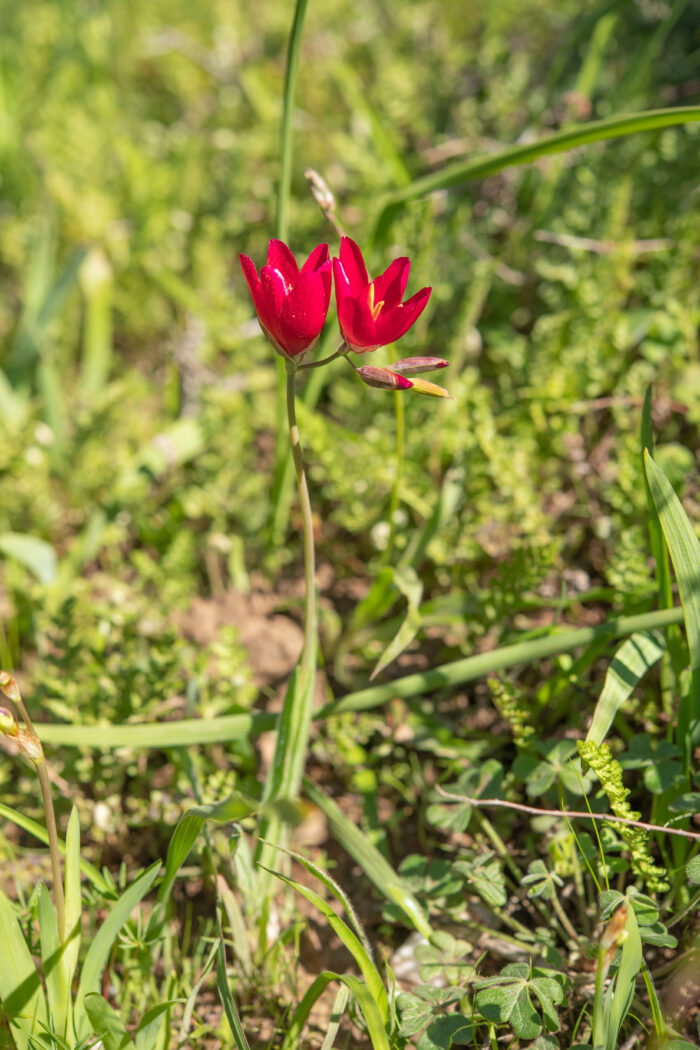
(340, 352)
(395, 498)
(564, 918)
(310, 604)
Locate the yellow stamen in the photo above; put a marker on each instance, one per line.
(374, 308)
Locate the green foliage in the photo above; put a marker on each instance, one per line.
(609, 772)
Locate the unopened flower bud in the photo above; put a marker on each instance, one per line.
(411, 366)
(320, 191)
(8, 723)
(423, 386)
(383, 378)
(615, 933)
(8, 687)
(30, 746)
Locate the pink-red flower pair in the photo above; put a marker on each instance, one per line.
(292, 304)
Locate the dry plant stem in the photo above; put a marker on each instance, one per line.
(35, 752)
(568, 813)
(43, 774)
(310, 614)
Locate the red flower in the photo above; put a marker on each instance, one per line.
(291, 304)
(371, 313)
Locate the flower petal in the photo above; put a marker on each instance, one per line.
(393, 323)
(279, 257)
(358, 327)
(354, 265)
(303, 313)
(317, 260)
(390, 287)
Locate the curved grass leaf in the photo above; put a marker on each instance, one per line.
(56, 978)
(629, 665)
(372, 1016)
(99, 950)
(236, 807)
(684, 548)
(39, 832)
(107, 1024)
(227, 1000)
(33, 553)
(374, 865)
(21, 994)
(161, 735)
(350, 940)
(472, 667)
(560, 142)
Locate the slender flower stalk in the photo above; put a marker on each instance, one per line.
(310, 601)
(30, 746)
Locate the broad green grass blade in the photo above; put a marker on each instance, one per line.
(629, 665)
(374, 865)
(237, 807)
(35, 554)
(472, 667)
(349, 939)
(20, 990)
(39, 832)
(58, 986)
(339, 1007)
(227, 1000)
(107, 1024)
(73, 898)
(630, 965)
(151, 1024)
(161, 735)
(372, 1016)
(99, 950)
(684, 549)
(561, 141)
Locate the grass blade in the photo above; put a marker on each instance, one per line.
(472, 667)
(107, 1024)
(560, 142)
(349, 939)
(374, 865)
(629, 665)
(58, 986)
(20, 991)
(227, 1000)
(99, 950)
(39, 832)
(684, 549)
(375, 1027)
(73, 899)
(160, 735)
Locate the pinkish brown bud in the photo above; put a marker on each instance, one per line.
(9, 688)
(423, 386)
(411, 366)
(383, 378)
(8, 723)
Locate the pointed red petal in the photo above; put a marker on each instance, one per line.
(303, 313)
(390, 287)
(279, 257)
(354, 265)
(394, 323)
(317, 259)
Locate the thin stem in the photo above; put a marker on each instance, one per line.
(563, 917)
(310, 605)
(395, 498)
(569, 813)
(342, 349)
(43, 774)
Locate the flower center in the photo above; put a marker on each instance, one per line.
(374, 308)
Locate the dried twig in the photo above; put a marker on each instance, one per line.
(570, 814)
